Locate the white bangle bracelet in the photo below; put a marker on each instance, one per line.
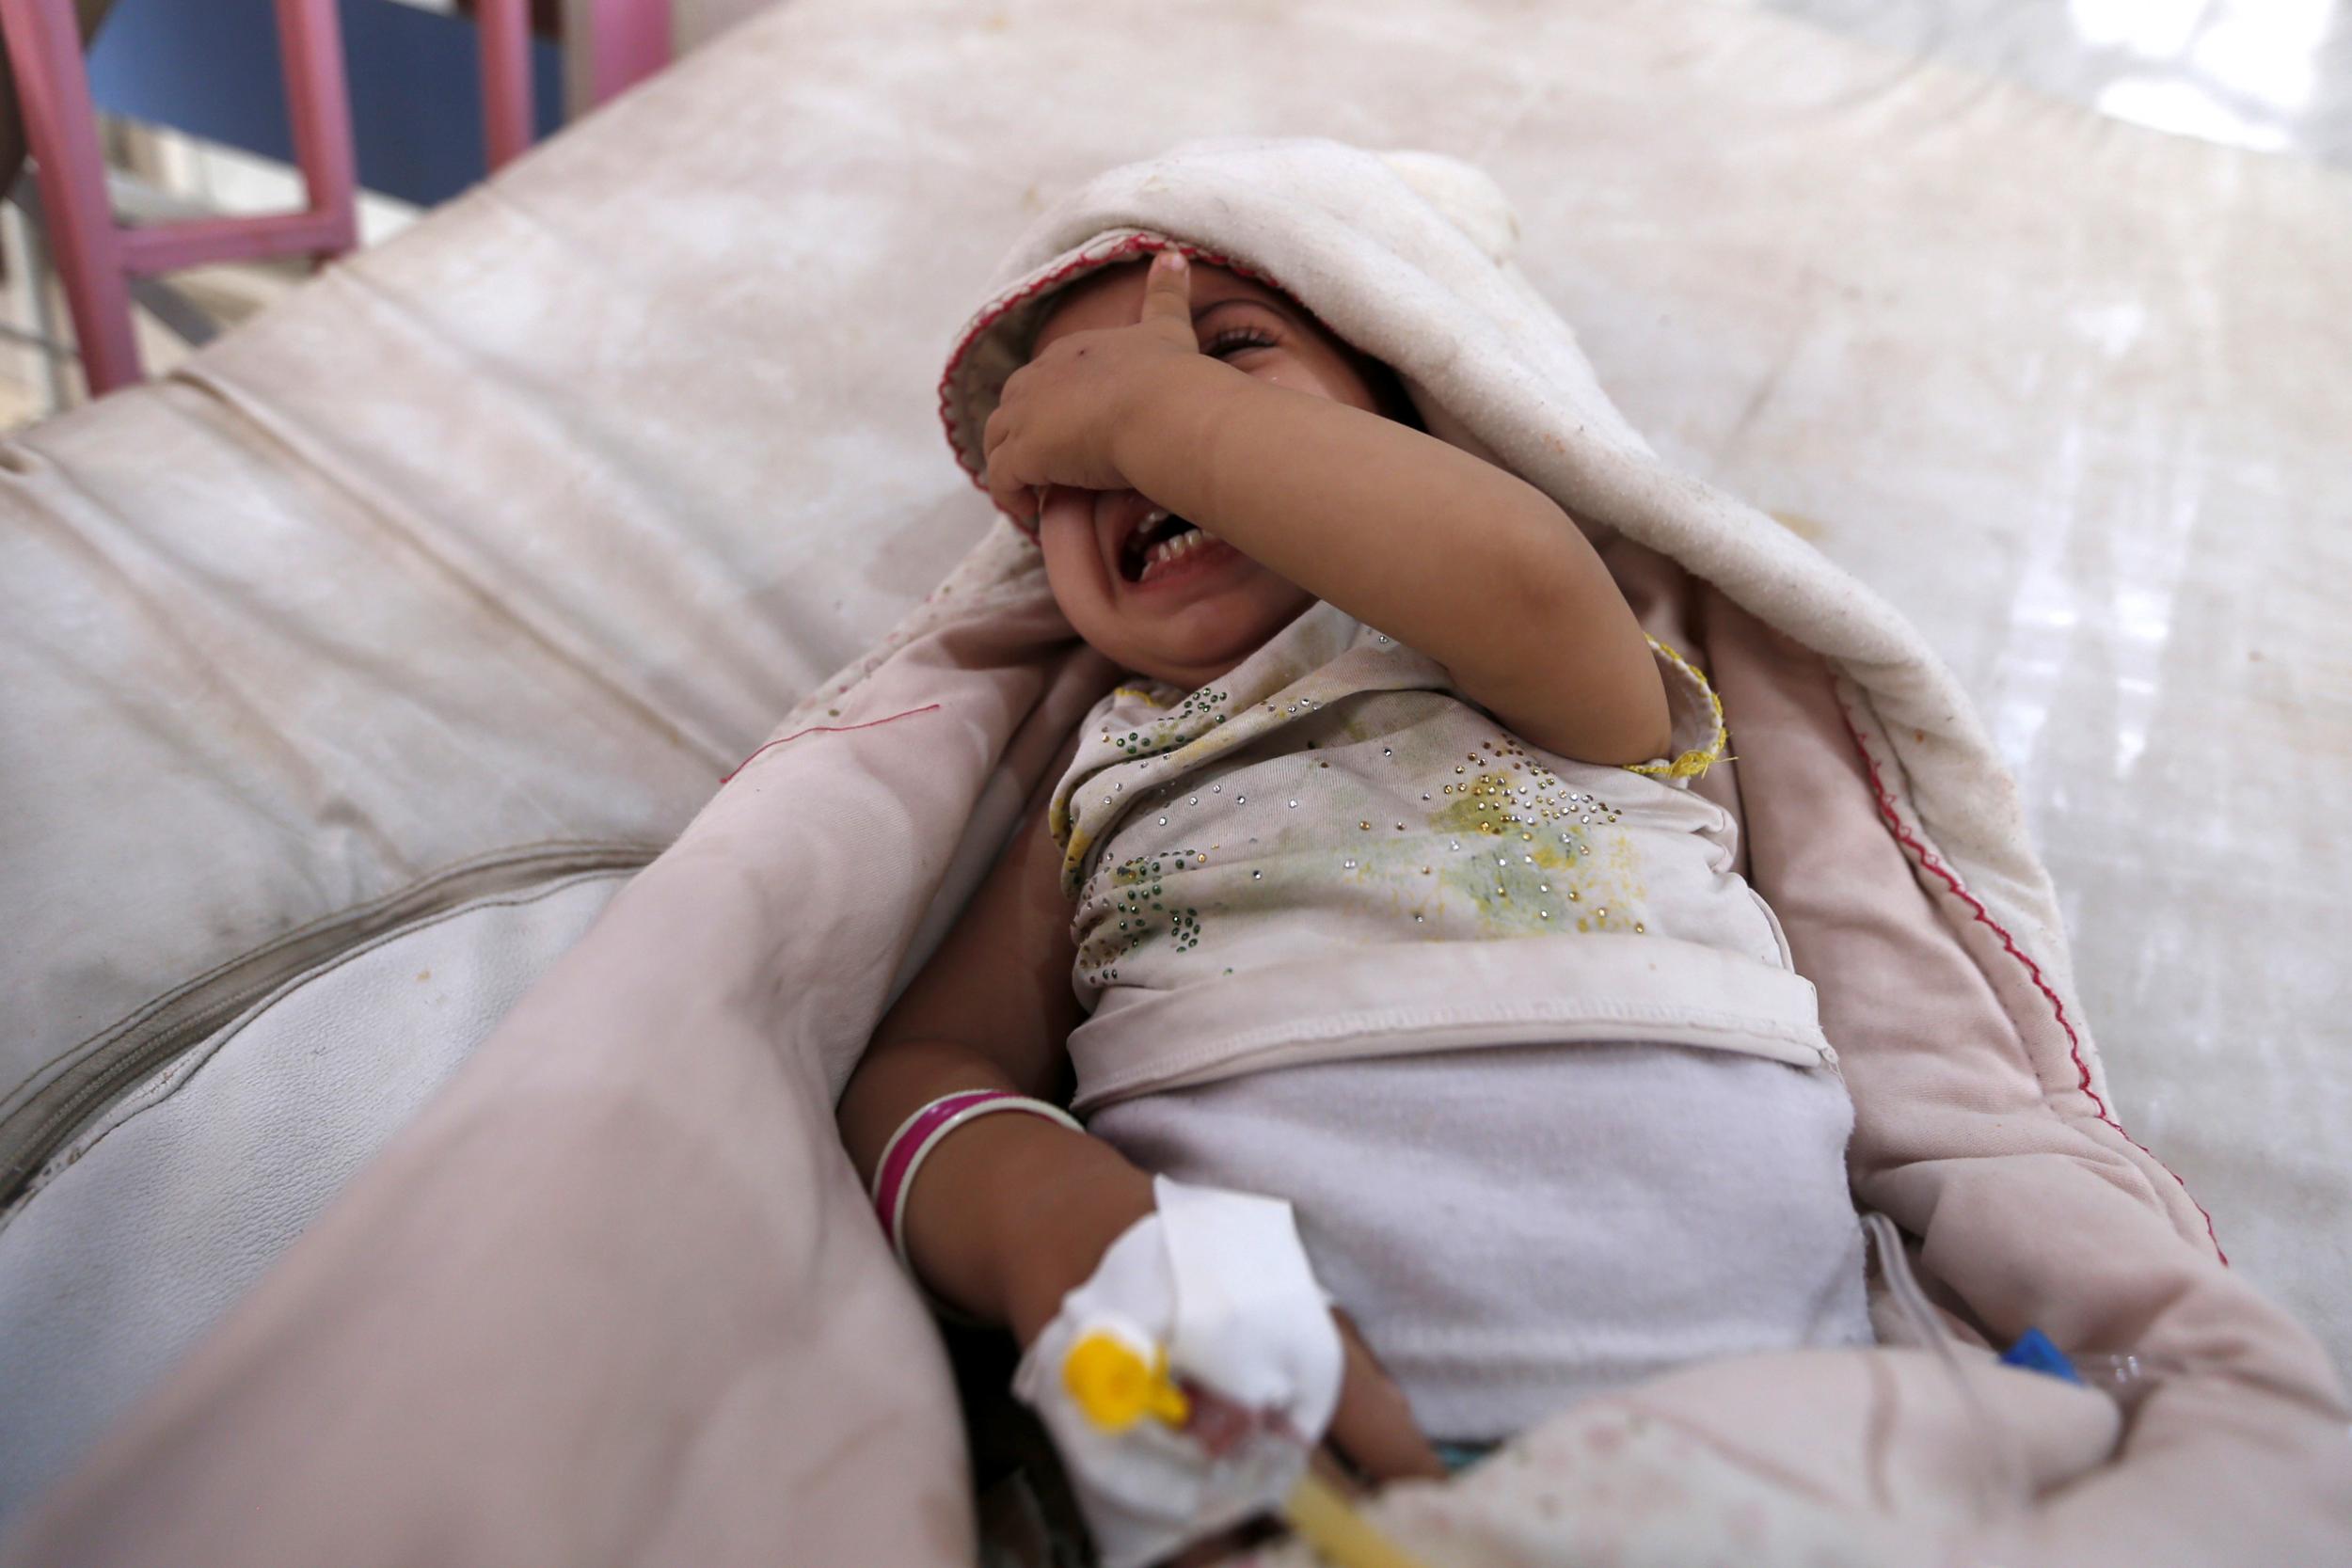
(895, 1173)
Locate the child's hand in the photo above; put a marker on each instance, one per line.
(1372, 1430)
(1060, 413)
(1187, 1379)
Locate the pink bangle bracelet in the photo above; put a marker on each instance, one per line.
(917, 1136)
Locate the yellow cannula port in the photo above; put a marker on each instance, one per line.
(1117, 1388)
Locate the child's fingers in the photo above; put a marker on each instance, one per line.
(1019, 503)
(993, 475)
(1167, 292)
(1013, 497)
(1373, 1425)
(1062, 499)
(1010, 493)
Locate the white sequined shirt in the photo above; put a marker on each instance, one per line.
(1333, 852)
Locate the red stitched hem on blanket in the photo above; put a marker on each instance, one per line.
(1903, 836)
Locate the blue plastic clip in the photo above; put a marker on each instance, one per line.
(2034, 1352)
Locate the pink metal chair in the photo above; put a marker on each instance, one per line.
(96, 257)
(627, 40)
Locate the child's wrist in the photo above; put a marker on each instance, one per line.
(1062, 1208)
(1011, 1211)
(1160, 439)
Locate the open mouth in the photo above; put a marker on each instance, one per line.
(1159, 540)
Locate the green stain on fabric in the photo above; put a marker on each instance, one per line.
(1537, 869)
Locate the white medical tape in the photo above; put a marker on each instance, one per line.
(1221, 1281)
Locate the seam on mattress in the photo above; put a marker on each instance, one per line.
(813, 729)
(1929, 861)
(51, 1168)
(14, 1171)
(397, 520)
(311, 927)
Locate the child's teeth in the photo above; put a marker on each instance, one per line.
(1165, 551)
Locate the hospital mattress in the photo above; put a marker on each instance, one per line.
(352, 666)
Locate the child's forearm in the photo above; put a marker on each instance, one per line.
(1458, 557)
(1011, 1210)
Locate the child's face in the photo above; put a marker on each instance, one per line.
(1217, 606)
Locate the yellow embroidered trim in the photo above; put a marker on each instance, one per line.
(1138, 692)
(1697, 761)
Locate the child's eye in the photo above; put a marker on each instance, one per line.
(1238, 338)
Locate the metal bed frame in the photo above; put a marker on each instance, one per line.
(97, 257)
